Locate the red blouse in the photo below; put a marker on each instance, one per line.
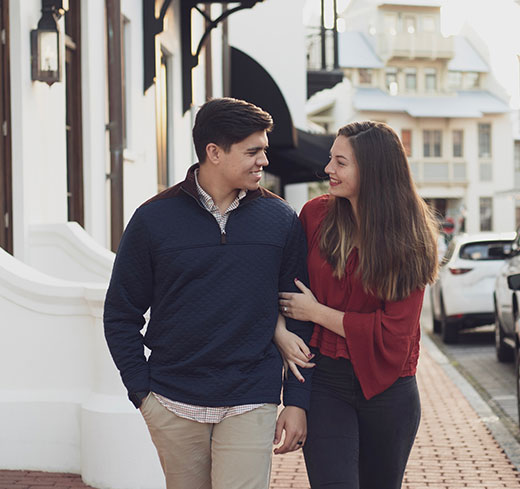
(381, 337)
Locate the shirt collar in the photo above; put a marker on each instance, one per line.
(208, 201)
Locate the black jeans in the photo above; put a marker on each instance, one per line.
(353, 443)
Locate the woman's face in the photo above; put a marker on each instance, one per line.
(343, 171)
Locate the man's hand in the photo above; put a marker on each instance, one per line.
(293, 421)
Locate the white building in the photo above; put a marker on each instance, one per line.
(77, 156)
(438, 93)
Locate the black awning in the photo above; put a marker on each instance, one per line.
(294, 155)
(303, 163)
(251, 82)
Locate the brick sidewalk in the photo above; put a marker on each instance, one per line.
(453, 450)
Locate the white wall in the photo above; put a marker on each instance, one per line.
(272, 33)
(38, 124)
(95, 149)
(67, 251)
(182, 156)
(62, 405)
(140, 159)
(38, 133)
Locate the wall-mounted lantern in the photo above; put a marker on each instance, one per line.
(45, 43)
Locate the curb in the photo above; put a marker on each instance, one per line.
(502, 435)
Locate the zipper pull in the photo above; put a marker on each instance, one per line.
(223, 238)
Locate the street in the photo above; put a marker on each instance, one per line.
(474, 356)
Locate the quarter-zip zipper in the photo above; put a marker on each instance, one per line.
(223, 239)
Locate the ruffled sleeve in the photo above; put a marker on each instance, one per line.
(380, 338)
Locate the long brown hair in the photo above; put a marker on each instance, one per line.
(395, 228)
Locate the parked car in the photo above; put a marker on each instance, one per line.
(462, 296)
(506, 304)
(513, 282)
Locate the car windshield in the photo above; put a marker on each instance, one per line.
(481, 251)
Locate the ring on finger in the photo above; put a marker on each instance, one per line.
(284, 309)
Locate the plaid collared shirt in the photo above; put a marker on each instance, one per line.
(207, 201)
(204, 414)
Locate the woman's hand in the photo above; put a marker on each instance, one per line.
(299, 306)
(293, 349)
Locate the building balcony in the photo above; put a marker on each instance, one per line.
(417, 45)
(435, 172)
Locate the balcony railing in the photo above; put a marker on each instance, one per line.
(417, 45)
(439, 172)
(321, 75)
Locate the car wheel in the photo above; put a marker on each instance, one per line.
(436, 322)
(449, 329)
(504, 353)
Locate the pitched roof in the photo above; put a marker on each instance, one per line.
(355, 51)
(466, 57)
(471, 104)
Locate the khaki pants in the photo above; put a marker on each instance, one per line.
(232, 454)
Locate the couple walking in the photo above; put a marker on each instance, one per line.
(237, 285)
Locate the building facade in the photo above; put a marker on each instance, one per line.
(98, 99)
(440, 96)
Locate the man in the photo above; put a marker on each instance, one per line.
(208, 257)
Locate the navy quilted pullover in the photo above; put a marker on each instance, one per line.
(213, 299)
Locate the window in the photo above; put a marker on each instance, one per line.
(73, 116)
(365, 76)
(486, 213)
(471, 80)
(430, 79)
(432, 143)
(454, 80)
(484, 140)
(406, 138)
(428, 24)
(409, 25)
(480, 251)
(391, 80)
(410, 79)
(458, 147)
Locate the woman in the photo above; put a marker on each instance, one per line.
(372, 250)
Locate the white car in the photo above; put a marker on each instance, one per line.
(506, 306)
(462, 296)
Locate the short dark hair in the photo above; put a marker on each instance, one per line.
(226, 121)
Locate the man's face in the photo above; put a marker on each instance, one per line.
(241, 168)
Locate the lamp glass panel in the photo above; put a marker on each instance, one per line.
(48, 51)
